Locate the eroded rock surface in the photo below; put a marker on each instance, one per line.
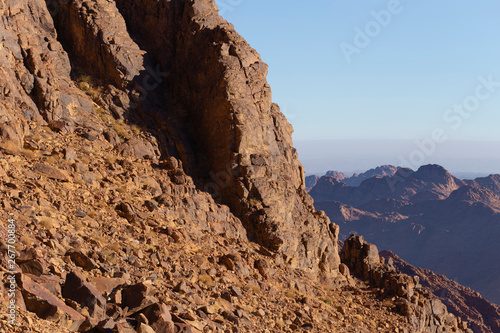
(424, 311)
(186, 73)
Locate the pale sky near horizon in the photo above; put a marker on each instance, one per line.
(403, 77)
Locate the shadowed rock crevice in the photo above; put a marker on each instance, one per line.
(242, 148)
(133, 85)
(210, 107)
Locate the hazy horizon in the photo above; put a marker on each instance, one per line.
(459, 157)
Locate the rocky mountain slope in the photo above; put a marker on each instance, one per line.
(482, 315)
(431, 219)
(150, 184)
(250, 168)
(492, 182)
(310, 181)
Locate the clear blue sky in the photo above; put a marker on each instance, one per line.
(398, 88)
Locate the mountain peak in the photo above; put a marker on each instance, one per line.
(336, 174)
(437, 174)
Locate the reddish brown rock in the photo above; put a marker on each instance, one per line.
(50, 282)
(106, 285)
(159, 318)
(137, 149)
(35, 266)
(79, 290)
(82, 260)
(247, 164)
(137, 296)
(35, 73)
(51, 172)
(48, 306)
(425, 312)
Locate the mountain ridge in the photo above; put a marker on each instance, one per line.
(151, 185)
(431, 219)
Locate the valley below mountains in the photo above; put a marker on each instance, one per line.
(428, 217)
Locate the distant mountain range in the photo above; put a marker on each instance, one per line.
(356, 179)
(429, 217)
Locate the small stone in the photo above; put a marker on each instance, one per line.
(159, 318)
(69, 154)
(80, 213)
(226, 261)
(57, 125)
(344, 270)
(235, 291)
(82, 260)
(137, 295)
(182, 287)
(231, 317)
(262, 266)
(51, 172)
(90, 135)
(144, 328)
(106, 285)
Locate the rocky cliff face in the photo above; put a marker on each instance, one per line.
(178, 68)
(35, 74)
(243, 143)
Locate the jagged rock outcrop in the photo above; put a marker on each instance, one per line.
(482, 316)
(96, 34)
(424, 312)
(35, 74)
(182, 71)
